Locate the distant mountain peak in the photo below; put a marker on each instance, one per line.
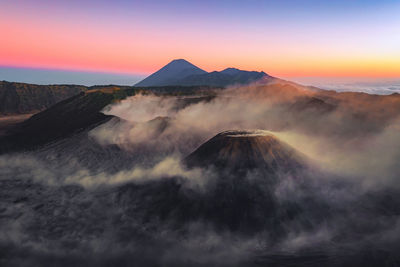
(234, 71)
(179, 60)
(171, 73)
(231, 71)
(181, 72)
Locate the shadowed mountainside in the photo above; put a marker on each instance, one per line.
(61, 120)
(83, 112)
(232, 200)
(25, 98)
(19, 98)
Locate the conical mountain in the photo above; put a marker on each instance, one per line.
(171, 73)
(230, 199)
(246, 150)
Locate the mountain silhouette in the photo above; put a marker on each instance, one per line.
(171, 73)
(182, 73)
(224, 78)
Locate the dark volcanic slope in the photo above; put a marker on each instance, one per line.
(233, 200)
(61, 120)
(246, 150)
(16, 98)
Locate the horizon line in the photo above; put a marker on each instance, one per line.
(146, 73)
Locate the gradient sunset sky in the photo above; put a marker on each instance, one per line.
(341, 38)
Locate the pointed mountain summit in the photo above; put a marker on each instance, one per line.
(171, 73)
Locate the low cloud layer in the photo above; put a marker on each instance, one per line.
(370, 86)
(350, 142)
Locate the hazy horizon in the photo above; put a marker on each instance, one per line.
(89, 78)
(54, 76)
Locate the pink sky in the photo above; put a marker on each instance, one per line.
(105, 37)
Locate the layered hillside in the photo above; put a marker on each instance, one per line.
(61, 120)
(20, 98)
